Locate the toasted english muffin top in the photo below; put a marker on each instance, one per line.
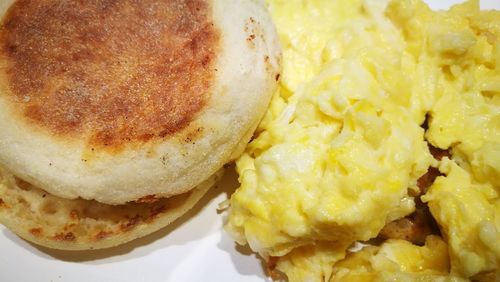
(109, 72)
(115, 101)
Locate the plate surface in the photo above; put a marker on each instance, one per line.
(194, 248)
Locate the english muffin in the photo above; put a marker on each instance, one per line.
(121, 102)
(64, 224)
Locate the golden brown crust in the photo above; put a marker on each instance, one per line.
(112, 72)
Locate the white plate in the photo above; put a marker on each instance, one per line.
(193, 249)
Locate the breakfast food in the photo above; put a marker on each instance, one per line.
(379, 157)
(78, 224)
(125, 107)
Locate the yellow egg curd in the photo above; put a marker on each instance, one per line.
(342, 144)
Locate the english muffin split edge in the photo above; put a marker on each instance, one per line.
(75, 225)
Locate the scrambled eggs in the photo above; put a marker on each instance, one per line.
(339, 153)
(397, 260)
